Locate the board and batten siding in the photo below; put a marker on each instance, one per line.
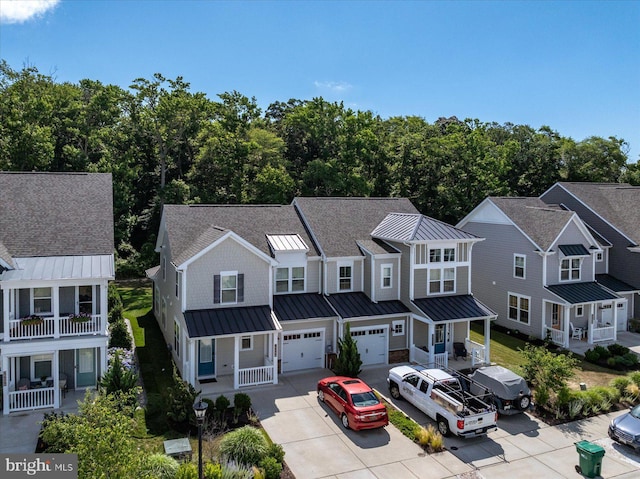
(227, 256)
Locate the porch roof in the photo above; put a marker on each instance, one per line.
(579, 293)
(289, 307)
(614, 284)
(447, 308)
(228, 321)
(354, 305)
(52, 268)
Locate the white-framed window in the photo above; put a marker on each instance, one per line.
(41, 366)
(442, 280)
(442, 255)
(290, 279)
(555, 314)
(519, 266)
(85, 299)
(398, 327)
(519, 308)
(579, 311)
(345, 276)
(229, 287)
(449, 255)
(386, 272)
(246, 343)
(164, 313)
(176, 337)
(599, 256)
(178, 278)
(570, 269)
(435, 255)
(42, 301)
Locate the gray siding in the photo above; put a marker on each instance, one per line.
(395, 342)
(571, 235)
(313, 276)
(332, 276)
(224, 356)
(386, 294)
(254, 357)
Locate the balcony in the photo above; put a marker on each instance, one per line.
(52, 327)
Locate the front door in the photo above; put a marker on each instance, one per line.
(205, 358)
(85, 367)
(440, 338)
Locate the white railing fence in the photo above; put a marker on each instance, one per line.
(31, 399)
(255, 376)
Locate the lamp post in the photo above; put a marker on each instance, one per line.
(200, 410)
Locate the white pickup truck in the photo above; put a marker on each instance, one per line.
(445, 398)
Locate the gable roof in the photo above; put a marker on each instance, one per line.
(541, 222)
(339, 223)
(191, 228)
(616, 203)
(417, 227)
(55, 214)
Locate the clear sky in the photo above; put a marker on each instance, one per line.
(571, 65)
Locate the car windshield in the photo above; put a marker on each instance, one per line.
(635, 412)
(364, 399)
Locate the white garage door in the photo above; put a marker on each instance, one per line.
(302, 350)
(372, 345)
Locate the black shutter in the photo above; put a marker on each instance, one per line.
(216, 288)
(240, 288)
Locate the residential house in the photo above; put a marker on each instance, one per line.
(56, 259)
(537, 270)
(612, 210)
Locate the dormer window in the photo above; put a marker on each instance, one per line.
(442, 255)
(599, 256)
(386, 271)
(570, 269)
(519, 266)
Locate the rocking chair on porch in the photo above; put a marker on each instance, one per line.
(459, 351)
(576, 333)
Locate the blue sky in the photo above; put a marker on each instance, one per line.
(571, 65)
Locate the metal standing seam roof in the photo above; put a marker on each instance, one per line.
(417, 227)
(579, 293)
(287, 243)
(289, 307)
(354, 305)
(61, 267)
(446, 308)
(614, 284)
(573, 250)
(228, 321)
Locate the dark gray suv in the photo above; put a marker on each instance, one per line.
(626, 428)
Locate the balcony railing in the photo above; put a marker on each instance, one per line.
(54, 327)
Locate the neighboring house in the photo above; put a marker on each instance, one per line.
(251, 291)
(56, 259)
(613, 211)
(537, 269)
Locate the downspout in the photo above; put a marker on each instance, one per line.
(372, 279)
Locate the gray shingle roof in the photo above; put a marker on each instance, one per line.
(416, 227)
(541, 222)
(448, 308)
(193, 227)
(376, 246)
(617, 203)
(56, 214)
(579, 293)
(338, 223)
(227, 321)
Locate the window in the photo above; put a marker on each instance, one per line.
(398, 327)
(579, 311)
(599, 256)
(570, 269)
(386, 275)
(42, 300)
(85, 299)
(344, 277)
(435, 255)
(519, 266)
(290, 279)
(439, 255)
(519, 308)
(246, 343)
(442, 280)
(228, 287)
(449, 255)
(555, 314)
(40, 366)
(176, 337)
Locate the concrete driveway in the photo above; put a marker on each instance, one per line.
(317, 446)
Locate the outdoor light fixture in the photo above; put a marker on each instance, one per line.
(200, 409)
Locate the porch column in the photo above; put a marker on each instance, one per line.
(102, 351)
(411, 342)
(192, 373)
(591, 322)
(487, 340)
(236, 361)
(431, 335)
(567, 319)
(615, 319)
(56, 311)
(55, 372)
(6, 318)
(274, 354)
(104, 306)
(5, 382)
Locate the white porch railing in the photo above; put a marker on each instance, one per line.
(477, 352)
(556, 335)
(255, 376)
(606, 333)
(441, 360)
(418, 355)
(47, 328)
(31, 399)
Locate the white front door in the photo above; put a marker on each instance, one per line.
(373, 344)
(622, 316)
(302, 349)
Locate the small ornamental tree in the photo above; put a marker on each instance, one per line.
(348, 361)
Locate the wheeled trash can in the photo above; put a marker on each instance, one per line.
(590, 458)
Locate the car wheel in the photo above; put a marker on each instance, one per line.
(321, 395)
(523, 403)
(345, 421)
(443, 426)
(395, 391)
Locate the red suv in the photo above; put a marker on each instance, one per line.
(354, 401)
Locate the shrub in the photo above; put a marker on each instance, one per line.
(541, 396)
(241, 402)
(221, 405)
(620, 383)
(179, 402)
(635, 377)
(119, 335)
(212, 470)
(272, 468)
(113, 296)
(187, 470)
(118, 378)
(437, 441)
(115, 314)
(617, 349)
(348, 362)
(246, 446)
(276, 451)
(160, 466)
(592, 356)
(603, 352)
(422, 436)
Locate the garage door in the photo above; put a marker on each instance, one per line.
(372, 345)
(302, 350)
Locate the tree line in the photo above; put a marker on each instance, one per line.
(164, 143)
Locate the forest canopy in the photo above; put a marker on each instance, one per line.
(164, 143)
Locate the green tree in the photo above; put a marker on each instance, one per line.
(348, 362)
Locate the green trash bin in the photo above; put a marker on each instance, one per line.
(590, 458)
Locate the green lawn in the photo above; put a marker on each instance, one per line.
(504, 347)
